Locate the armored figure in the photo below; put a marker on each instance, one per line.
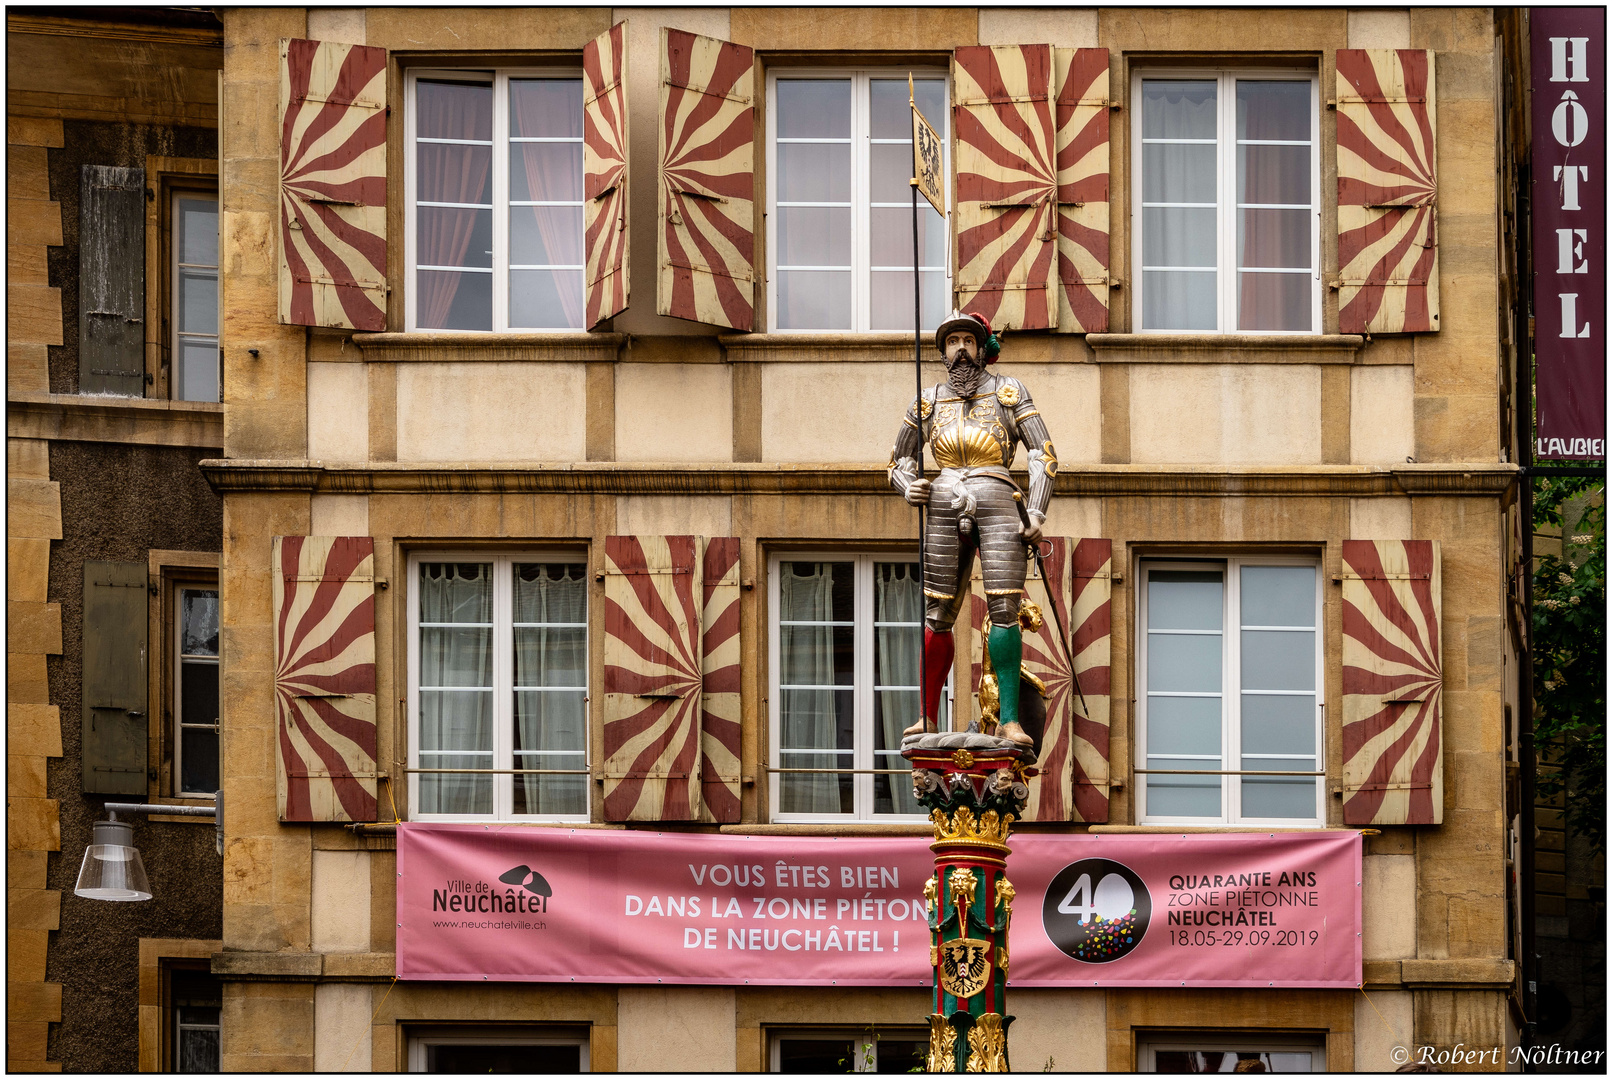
(973, 424)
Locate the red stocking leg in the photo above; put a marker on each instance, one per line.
(939, 648)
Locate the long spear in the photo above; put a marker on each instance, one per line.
(926, 179)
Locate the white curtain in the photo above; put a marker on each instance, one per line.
(806, 654)
(897, 598)
(549, 655)
(456, 677)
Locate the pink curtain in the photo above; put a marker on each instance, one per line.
(551, 174)
(449, 173)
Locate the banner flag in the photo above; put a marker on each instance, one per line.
(928, 160)
(518, 904)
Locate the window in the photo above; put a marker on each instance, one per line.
(1230, 721)
(195, 292)
(839, 231)
(494, 175)
(528, 1050)
(195, 707)
(1212, 1052)
(1228, 202)
(195, 1001)
(847, 635)
(498, 686)
(897, 1050)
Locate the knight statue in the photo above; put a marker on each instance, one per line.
(973, 424)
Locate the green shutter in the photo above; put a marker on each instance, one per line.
(111, 281)
(114, 703)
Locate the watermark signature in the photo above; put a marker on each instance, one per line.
(1462, 1054)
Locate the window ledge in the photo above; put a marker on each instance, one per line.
(822, 348)
(1225, 348)
(430, 347)
(831, 828)
(105, 418)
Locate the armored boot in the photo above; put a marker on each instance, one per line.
(1007, 651)
(939, 648)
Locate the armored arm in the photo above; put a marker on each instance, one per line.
(903, 469)
(1042, 460)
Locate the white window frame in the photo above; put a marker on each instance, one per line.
(503, 679)
(1230, 693)
(175, 269)
(1149, 1043)
(421, 1040)
(861, 205)
(178, 630)
(498, 79)
(1225, 188)
(862, 757)
(864, 1043)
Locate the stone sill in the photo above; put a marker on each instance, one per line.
(1482, 973)
(1225, 348)
(304, 967)
(460, 347)
(104, 418)
(778, 478)
(816, 347)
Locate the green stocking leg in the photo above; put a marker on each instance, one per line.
(1007, 651)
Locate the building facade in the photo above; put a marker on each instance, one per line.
(532, 320)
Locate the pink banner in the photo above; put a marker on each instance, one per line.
(510, 903)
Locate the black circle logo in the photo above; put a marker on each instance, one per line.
(1096, 910)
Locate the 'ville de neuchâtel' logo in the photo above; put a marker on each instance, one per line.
(527, 894)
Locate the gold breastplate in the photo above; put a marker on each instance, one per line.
(971, 438)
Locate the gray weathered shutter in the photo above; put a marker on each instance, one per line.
(111, 281)
(114, 686)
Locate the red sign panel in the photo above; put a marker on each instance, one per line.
(514, 904)
(1569, 229)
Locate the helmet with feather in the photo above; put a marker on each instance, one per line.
(972, 322)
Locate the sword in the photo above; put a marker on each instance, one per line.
(1052, 601)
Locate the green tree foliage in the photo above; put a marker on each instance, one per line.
(1569, 637)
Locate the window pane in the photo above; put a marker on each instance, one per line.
(456, 592)
(1273, 110)
(890, 118)
(198, 622)
(442, 793)
(1177, 172)
(1182, 796)
(1178, 109)
(1278, 660)
(453, 236)
(1184, 600)
(814, 300)
(455, 656)
(198, 693)
(450, 301)
(1273, 174)
(454, 173)
(456, 720)
(546, 108)
(198, 301)
(198, 369)
(545, 172)
(551, 656)
(454, 110)
(1278, 724)
(517, 1058)
(553, 720)
(892, 239)
(198, 756)
(1178, 725)
(814, 172)
(1179, 300)
(816, 655)
(818, 592)
(814, 108)
(198, 1050)
(198, 231)
(890, 171)
(551, 592)
(814, 236)
(816, 1056)
(1177, 662)
(1274, 238)
(1274, 301)
(902, 1055)
(891, 299)
(1278, 595)
(1179, 236)
(545, 299)
(1279, 797)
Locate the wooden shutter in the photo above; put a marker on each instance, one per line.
(324, 677)
(115, 727)
(1393, 748)
(1091, 627)
(1387, 191)
(1073, 762)
(653, 660)
(719, 690)
(604, 172)
(706, 188)
(332, 185)
(111, 282)
(1007, 185)
(1080, 113)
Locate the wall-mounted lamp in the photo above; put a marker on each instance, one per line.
(112, 869)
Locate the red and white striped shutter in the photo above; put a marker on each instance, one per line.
(1007, 185)
(1047, 660)
(653, 657)
(1387, 192)
(332, 185)
(1091, 627)
(706, 234)
(1393, 683)
(323, 590)
(604, 172)
(1080, 111)
(719, 690)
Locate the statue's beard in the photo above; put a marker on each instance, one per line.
(963, 375)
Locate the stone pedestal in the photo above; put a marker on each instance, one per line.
(973, 787)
